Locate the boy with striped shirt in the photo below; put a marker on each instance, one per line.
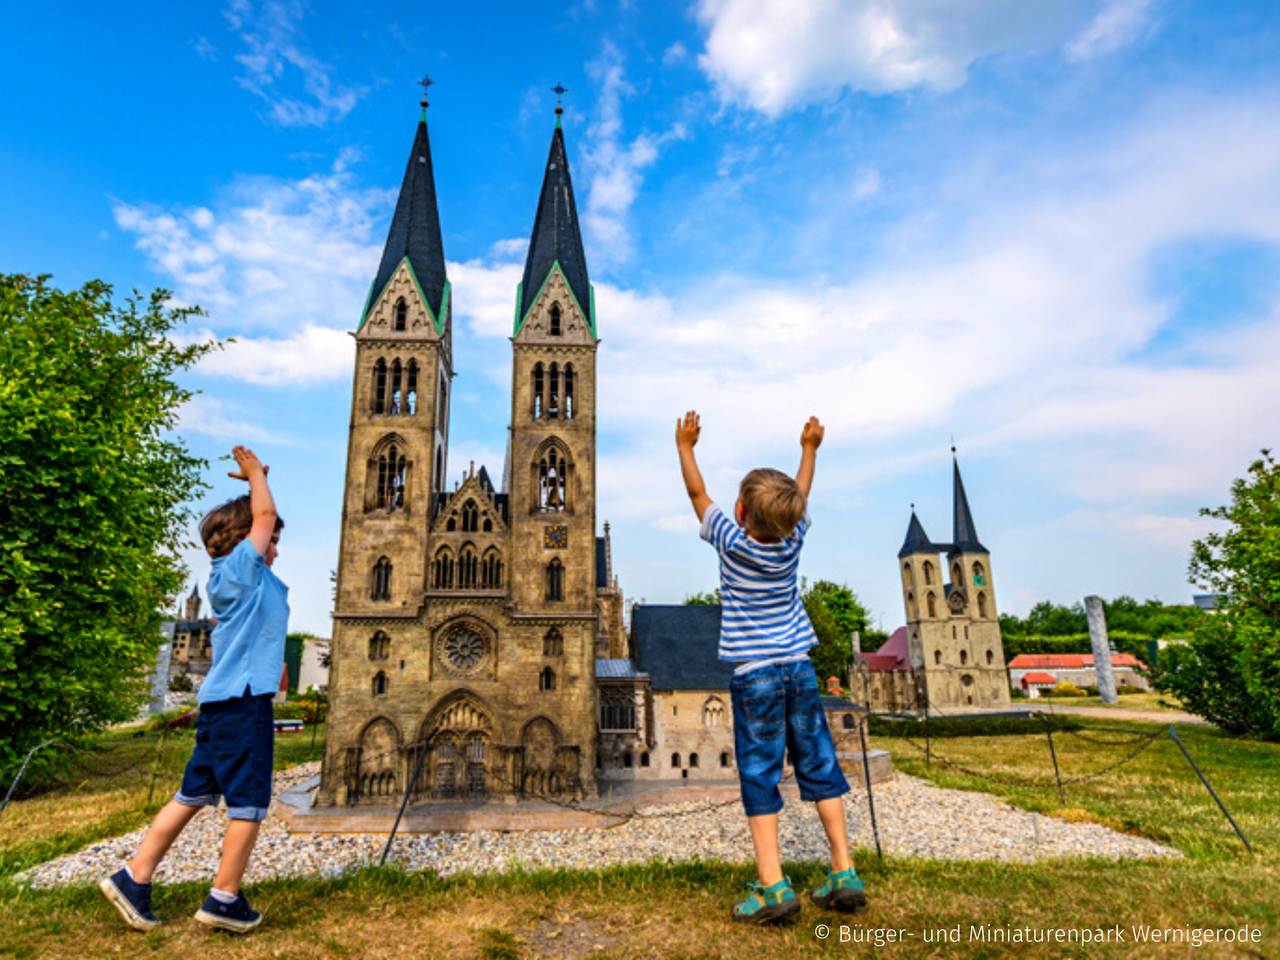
(765, 629)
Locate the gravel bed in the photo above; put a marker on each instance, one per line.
(915, 819)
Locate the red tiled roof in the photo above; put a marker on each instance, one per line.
(1068, 661)
(876, 663)
(1038, 678)
(897, 648)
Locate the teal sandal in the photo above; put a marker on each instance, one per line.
(775, 904)
(840, 891)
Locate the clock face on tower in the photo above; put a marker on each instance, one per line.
(555, 536)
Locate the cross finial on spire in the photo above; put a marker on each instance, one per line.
(425, 83)
(559, 90)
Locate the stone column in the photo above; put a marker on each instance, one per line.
(160, 678)
(1101, 648)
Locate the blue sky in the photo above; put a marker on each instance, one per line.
(1049, 230)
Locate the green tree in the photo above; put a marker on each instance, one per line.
(835, 612)
(709, 599)
(1229, 670)
(94, 495)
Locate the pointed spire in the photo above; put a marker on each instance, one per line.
(917, 541)
(964, 535)
(557, 238)
(415, 230)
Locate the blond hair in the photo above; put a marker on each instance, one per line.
(773, 502)
(225, 526)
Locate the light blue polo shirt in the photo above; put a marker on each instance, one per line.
(251, 605)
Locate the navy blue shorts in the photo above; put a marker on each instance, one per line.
(235, 746)
(775, 710)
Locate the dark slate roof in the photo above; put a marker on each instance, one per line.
(602, 565)
(835, 703)
(965, 536)
(677, 645)
(617, 670)
(917, 541)
(556, 237)
(415, 230)
(482, 477)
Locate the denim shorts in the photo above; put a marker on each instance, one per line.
(235, 746)
(776, 711)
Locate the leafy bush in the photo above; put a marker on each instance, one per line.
(969, 726)
(181, 683)
(1068, 689)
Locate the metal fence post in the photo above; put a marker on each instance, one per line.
(1173, 733)
(1048, 732)
(155, 767)
(417, 768)
(866, 770)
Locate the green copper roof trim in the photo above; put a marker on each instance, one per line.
(555, 268)
(368, 302)
(516, 322)
(438, 322)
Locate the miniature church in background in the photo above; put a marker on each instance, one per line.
(949, 657)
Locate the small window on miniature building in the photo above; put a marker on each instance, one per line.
(547, 679)
(553, 395)
(693, 760)
(644, 759)
(626, 759)
(382, 579)
(937, 657)
(933, 606)
(379, 684)
(555, 581)
(568, 391)
(552, 643)
(982, 605)
(380, 386)
(964, 657)
(402, 314)
(847, 721)
(537, 390)
(555, 319)
(675, 760)
(411, 388)
(928, 574)
(724, 759)
(990, 658)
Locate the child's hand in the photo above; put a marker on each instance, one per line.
(248, 464)
(811, 437)
(687, 431)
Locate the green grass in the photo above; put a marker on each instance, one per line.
(681, 910)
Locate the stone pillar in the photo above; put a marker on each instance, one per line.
(160, 678)
(1101, 648)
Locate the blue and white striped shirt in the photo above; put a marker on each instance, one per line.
(761, 614)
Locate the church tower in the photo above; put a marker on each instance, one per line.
(953, 629)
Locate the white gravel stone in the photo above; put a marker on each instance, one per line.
(915, 818)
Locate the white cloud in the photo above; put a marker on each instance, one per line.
(613, 166)
(676, 53)
(277, 54)
(681, 523)
(776, 54)
(271, 255)
(311, 355)
(1118, 24)
(223, 421)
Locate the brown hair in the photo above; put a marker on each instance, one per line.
(225, 526)
(773, 502)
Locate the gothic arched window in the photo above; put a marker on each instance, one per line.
(379, 646)
(470, 517)
(392, 478)
(491, 571)
(555, 580)
(568, 391)
(713, 712)
(555, 319)
(933, 605)
(547, 679)
(724, 759)
(990, 658)
(402, 314)
(964, 657)
(411, 387)
(675, 760)
(937, 657)
(693, 760)
(553, 395)
(397, 396)
(380, 386)
(913, 609)
(379, 684)
(382, 579)
(552, 468)
(538, 387)
(468, 567)
(928, 573)
(982, 605)
(443, 570)
(439, 468)
(552, 643)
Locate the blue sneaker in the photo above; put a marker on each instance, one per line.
(840, 891)
(237, 916)
(775, 904)
(131, 898)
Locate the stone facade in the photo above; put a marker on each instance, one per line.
(192, 651)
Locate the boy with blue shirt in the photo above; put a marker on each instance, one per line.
(236, 730)
(776, 709)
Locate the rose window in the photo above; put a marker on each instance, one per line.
(464, 650)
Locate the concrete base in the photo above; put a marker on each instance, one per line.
(611, 808)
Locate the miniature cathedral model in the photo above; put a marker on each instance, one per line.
(949, 656)
(468, 622)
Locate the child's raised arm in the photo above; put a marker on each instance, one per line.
(260, 500)
(687, 432)
(810, 440)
